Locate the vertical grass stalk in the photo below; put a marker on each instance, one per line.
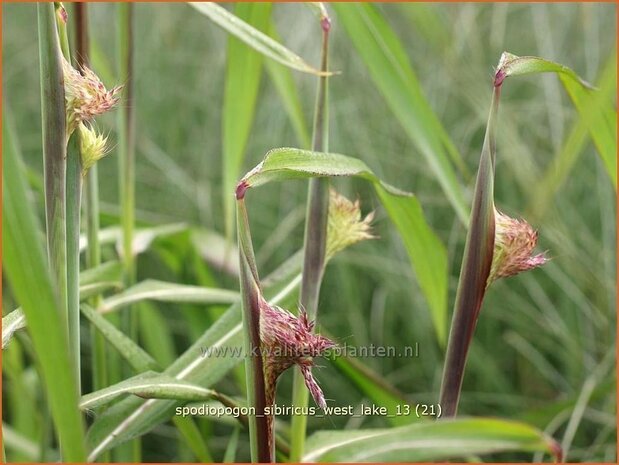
(54, 150)
(126, 171)
(497, 246)
(260, 433)
(91, 211)
(315, 237)
(74, 200)
(126, 148)
(476, 264)
(73, 194)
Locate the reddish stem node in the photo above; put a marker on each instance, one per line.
(325, 23)
(241, 188)
(499, 77)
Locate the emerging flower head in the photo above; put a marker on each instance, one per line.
(85, 95)
(345, 226)
(288, 340)
(514, 242)
(93, 147)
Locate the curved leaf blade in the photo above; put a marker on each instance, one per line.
(149, 386)
(92, 281)
(386, 59)
(28, 274)
(168, 292)
(130, 351)
(243, 75)
(426, 441)
(513, 65)
(259, 41)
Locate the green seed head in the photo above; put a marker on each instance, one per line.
(93, 147)
(345, 226)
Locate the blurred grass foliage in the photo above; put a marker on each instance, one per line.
(544, 340)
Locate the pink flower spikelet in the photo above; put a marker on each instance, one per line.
(85, 95)
(513, 248)
(288, 340)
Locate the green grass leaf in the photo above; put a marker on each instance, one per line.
(375, 387)
(26, 270)
(282, 79)
(168, 292)
(428, 441)
(243, 74)
(14, 321)
(148, 386)
(106, 272)
(136, 356)
(596, 118)
(594, 106)
(390, 69)
(425, 250)
(92, 281)
(513, 65)
(253, 37)
(598, 113)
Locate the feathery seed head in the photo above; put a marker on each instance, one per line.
(513, 246)
(288, 340)
(93, 147)
(85, 95)
(345, 226)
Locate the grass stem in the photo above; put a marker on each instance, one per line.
(315, 239)
(476, 263)
(126, 171)
(54, 150)
(74, 199)
(91, 210)
(260, 431)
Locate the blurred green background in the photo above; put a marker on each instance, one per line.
(543, 351)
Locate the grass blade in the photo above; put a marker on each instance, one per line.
(193, 437)
(282, 79)
(253, 37)
(92, 282)
(376, 388)
(13, 321)
(600, 117)
(596, 118)
(27, 273)
(168, 292)
(129, 350)
(386, 59)
(597, 112)
(147, 386)
(243, 73)
(428, 441)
